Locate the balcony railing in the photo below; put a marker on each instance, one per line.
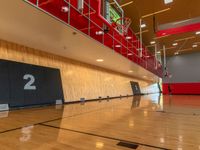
(90, 22)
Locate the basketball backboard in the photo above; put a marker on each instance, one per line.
(111, 10)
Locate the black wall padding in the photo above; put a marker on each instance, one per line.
(136, 88)
(25, 85)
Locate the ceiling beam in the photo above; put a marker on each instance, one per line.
(126, 4)
(155, 13)
(183, 39)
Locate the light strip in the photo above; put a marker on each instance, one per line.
(157, 12)
(188, 38)
(161, 37)
(149, 45)
(186, 49)
(142, 32)
(123, 5)
(169, 48)
(197, 43)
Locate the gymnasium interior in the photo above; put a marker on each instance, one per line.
(100, 75)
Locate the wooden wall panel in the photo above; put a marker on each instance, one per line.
(78, 79)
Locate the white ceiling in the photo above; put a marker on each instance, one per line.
(21, 23)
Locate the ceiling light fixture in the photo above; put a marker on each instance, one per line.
(195, 45)
(143, 25)
(198, 32)
(175, 44)
(99, 60)
(176, 53)
(158, 52)
(168, 1)
(152, 42)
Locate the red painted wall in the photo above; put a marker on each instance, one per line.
(182, 88)
(178, 30)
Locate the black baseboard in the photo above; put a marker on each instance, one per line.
(98, 99)
(65, 103)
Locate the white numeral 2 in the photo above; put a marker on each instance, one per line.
(29, 85)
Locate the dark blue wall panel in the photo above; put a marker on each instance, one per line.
(25, 85)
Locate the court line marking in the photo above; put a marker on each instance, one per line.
(42, 123)
(128, 145)
(168, 112)
(105, 137)
(60, 118)
(1, 132)
(164, 112)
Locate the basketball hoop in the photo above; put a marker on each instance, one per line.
(122, 25)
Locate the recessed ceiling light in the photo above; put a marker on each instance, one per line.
(143, 25)
(198, 32)
(117, 46)
(168, 1)
(195, 45)
(176, 53)
(128, 37)
(99, 60)
(153, 42)
(130, 54)
(130, 71)
(175, 44)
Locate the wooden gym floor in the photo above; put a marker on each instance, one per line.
(144, 123)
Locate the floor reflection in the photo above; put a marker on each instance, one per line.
(136, 101)
(151, 102)
(4, 114)
(158, 121)
(26, 133)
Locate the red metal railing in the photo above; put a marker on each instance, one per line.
(90, 22)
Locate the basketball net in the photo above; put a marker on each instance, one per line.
(122, 25)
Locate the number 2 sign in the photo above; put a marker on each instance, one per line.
(29, 85)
